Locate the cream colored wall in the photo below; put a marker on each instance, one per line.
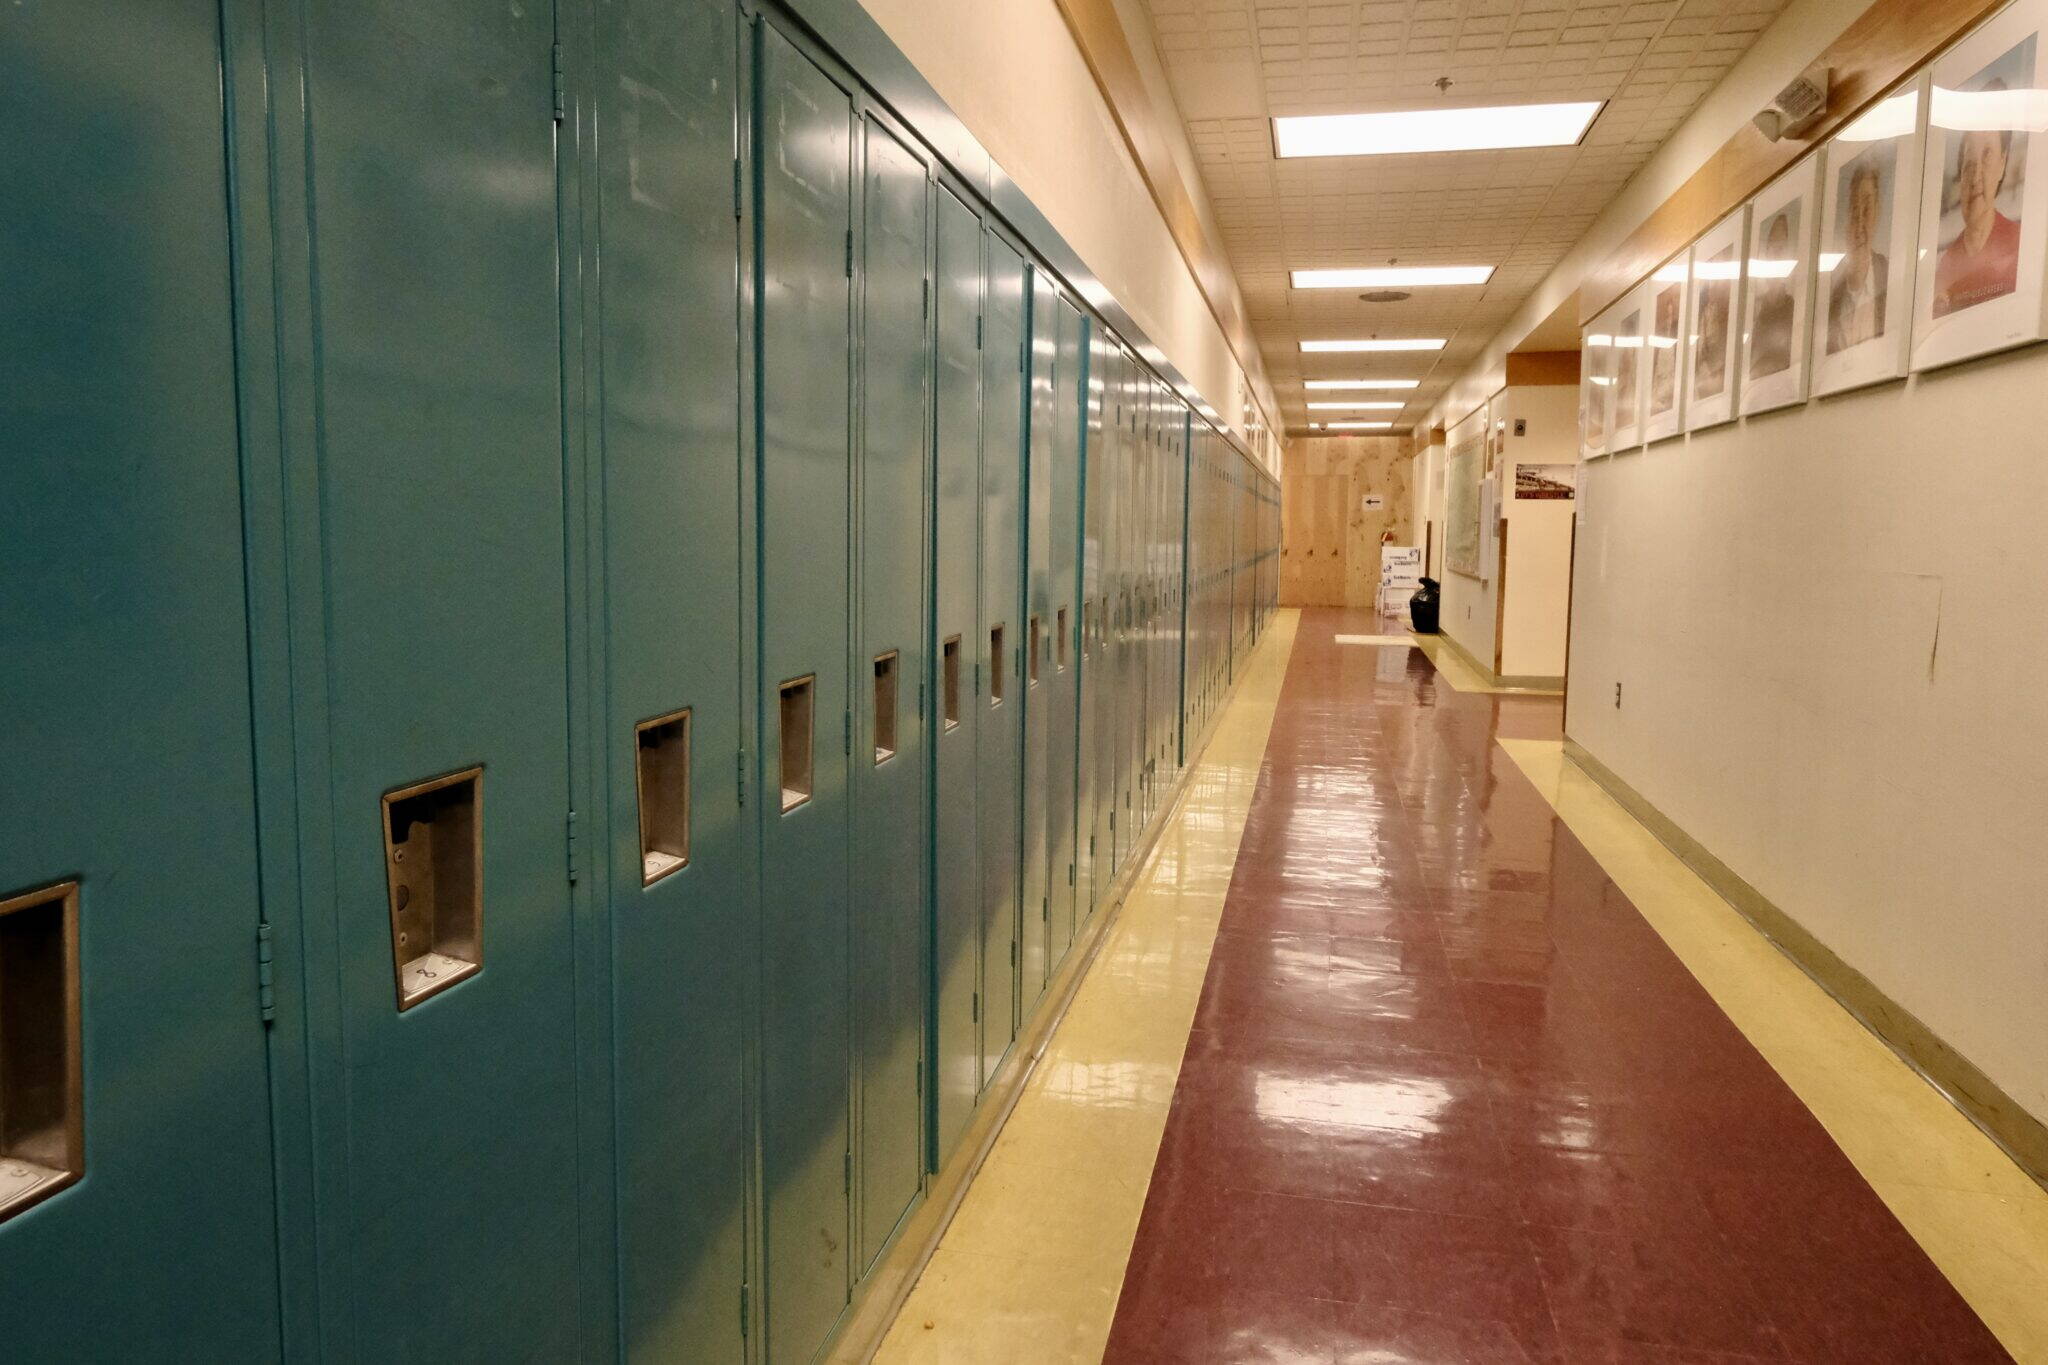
(1830, 626)
(1329, 541)
(1539, 583)
(1012, 72)
(1427, 518)
(1780, 53)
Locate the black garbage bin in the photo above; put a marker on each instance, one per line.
(1423, 606)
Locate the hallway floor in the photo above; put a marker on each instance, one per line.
(1381, 1063)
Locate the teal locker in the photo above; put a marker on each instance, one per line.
(1035, 896)
(679, 874)
(804, 264)
(955, 716)
(890, 822)
(441, 519)
(1115, 707)
(136, 1212)
(999, 766)
(1063, 671)
(1091, 848)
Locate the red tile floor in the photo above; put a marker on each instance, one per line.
(1449, 1098)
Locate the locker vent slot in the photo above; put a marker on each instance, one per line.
(949, 684)
(433, 864)
(42, 1106)
(885, 706)
(1059, 636)
(1087, 628)
(995, 666)
(662, 750)
(1036, 631)
(796, 740)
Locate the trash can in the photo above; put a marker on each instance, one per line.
(1422, 608)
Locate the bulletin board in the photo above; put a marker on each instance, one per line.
(1461, 506)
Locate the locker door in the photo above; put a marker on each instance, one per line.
(999, 770)
(956, 617)
(889, 753)
(1061, 869)
(1090, 849)
(441, 504)
(1038, 689)
(804, 163)
(681, 875)
(1115, 601)
(126, 737)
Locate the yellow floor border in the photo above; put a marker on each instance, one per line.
(1033, 1261)
(1975, 1213)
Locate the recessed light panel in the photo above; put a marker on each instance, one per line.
(1485, 128)
(1415, 275)
(1356, 407)
(1362, 383)
(1377, 344)
(1356, 426)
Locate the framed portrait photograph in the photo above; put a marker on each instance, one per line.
(1982, 212)
(1625, 416)
(1869, 222)
(1596, 383)
(1777, 318)
(1664, 347)
(1713, 342)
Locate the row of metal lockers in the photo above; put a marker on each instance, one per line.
(582, 629)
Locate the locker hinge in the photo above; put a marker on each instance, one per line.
(849, 253)
(266, 993)
(1091, 845)
(1045, 909)
(745, 1315)
(740, 773)
(574, 870)
(1013, 954)
(977, 677)
(846, 732)
(561, 91)
(849, 1172)
(977, 331)
(736, 195)
(1112, 822)
(927, 298)
(1070, 866)
(920, 699)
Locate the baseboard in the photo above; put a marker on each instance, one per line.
(2018, 1133)
(1534, 682)
(882, 1297)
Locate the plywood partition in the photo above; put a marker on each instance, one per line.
(1339, 497)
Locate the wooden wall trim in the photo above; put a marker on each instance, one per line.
(1887, 42)
(1539, 368)
(1099, 33)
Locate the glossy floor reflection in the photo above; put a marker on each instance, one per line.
(1449, 1097)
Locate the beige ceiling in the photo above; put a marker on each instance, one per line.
(1234, 64)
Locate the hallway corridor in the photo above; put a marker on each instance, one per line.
(1447, 1096)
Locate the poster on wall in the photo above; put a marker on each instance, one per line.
(1625, 416)
(1780, 269)
(1869, 222)
(1461, 509)
(1546, 482)
(1982, 214)
(1663, 335)
(1596, 354)
(1713, 344)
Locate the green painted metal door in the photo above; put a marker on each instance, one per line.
(1035, 894)
(805, 262)
(126, 683)
(999, 766)
(956, 617)
(678, 858)
(1063, 670)
(442, 515)
(891, 830)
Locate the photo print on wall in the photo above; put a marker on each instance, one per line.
(1626, 415)
(1780, 267)
(1663, 337)
(1713, 341)
(1981, 210)
(1869, 224)
(1596, 381)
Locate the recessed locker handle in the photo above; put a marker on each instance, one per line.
(433, 864)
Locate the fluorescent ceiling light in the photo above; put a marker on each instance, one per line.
(1358, 407)
(1356, 426)
(1375, 344)
(1434, 130)
(1362, 383)
(1391, 275)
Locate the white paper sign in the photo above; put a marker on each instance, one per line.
(1400, 576)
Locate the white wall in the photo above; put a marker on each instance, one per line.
(1538, 596)
(1013, 74)
(1830, 625)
